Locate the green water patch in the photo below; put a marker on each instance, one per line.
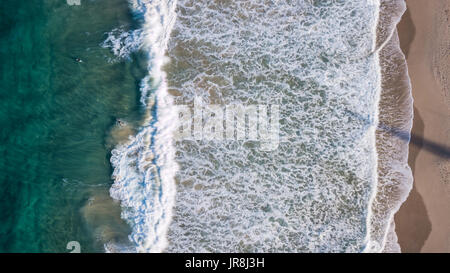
(56, 119)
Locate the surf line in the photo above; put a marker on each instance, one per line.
(145, 167)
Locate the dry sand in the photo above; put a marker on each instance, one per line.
(423, 221)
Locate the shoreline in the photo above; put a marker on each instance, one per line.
(392, 134)
(423, 222)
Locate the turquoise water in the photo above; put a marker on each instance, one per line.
(57, 116)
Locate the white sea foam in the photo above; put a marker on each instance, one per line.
(122, 43)
(319, 61)
(144, 167)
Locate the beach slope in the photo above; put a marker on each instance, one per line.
(423, 221)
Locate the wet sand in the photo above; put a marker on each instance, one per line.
(423, 221)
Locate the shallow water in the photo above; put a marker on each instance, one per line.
(311, 194)
(313, 58)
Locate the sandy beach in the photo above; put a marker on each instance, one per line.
(423, 221)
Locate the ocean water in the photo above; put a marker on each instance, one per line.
(336, 177)
(72, 172)
(57, 117)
